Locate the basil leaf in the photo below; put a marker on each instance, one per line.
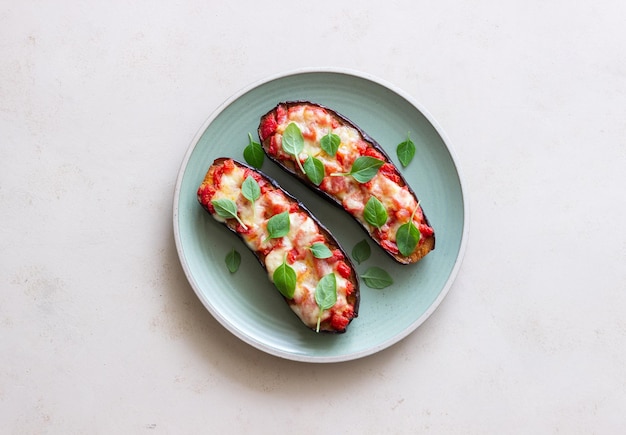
(227, 208)
(325, 295)
(233, 260)
(293, 142)
(407, 238)
(278, 225)
(326, 291)
(405, 151)
(374, 212)
(330, 143)
(377, 278)
(284, 278)
(361, 251)
(320, 250)
(314, 170)
(365, 168)
(253, 153)
(250, 189)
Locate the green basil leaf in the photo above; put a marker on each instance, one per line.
(377, 278)
(405, 151)
(227, 208)
(253, 153)
(314, 170)
(407, 238)
(326, 291)
(284, 278)
(320, 250)
(293, 142)
(361, 251)
(233, 260)
(325, 295)
(250, 189)
(374, 212)
(278, 225)
(365, 168)
(330, 143)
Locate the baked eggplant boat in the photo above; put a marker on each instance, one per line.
(303, 260)
(335, 158)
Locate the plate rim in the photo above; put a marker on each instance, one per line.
(311, 358)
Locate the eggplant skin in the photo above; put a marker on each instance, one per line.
(353, 299)
(426, 244)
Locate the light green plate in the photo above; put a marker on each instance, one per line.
(246, 303)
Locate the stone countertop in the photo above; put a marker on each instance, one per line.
(100, 331)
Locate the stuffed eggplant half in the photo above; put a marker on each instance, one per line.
(334, 157)
(303, 260)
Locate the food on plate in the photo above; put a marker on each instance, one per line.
(303, 260)
(334, 157)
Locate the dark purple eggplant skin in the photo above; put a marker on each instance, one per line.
(293, 170)
(231, 225)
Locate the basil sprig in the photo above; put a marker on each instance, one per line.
(405, 151)
(284, 278)
(233, 260)
(227, 208)
(325, 295)
(293, 142)
(253, 153)
(377, 278)
(408, 236)
(374, 212)
(330, 143)
(363, 169)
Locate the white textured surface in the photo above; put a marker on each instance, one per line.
(101, 333)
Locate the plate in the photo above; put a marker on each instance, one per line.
(246, 303)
